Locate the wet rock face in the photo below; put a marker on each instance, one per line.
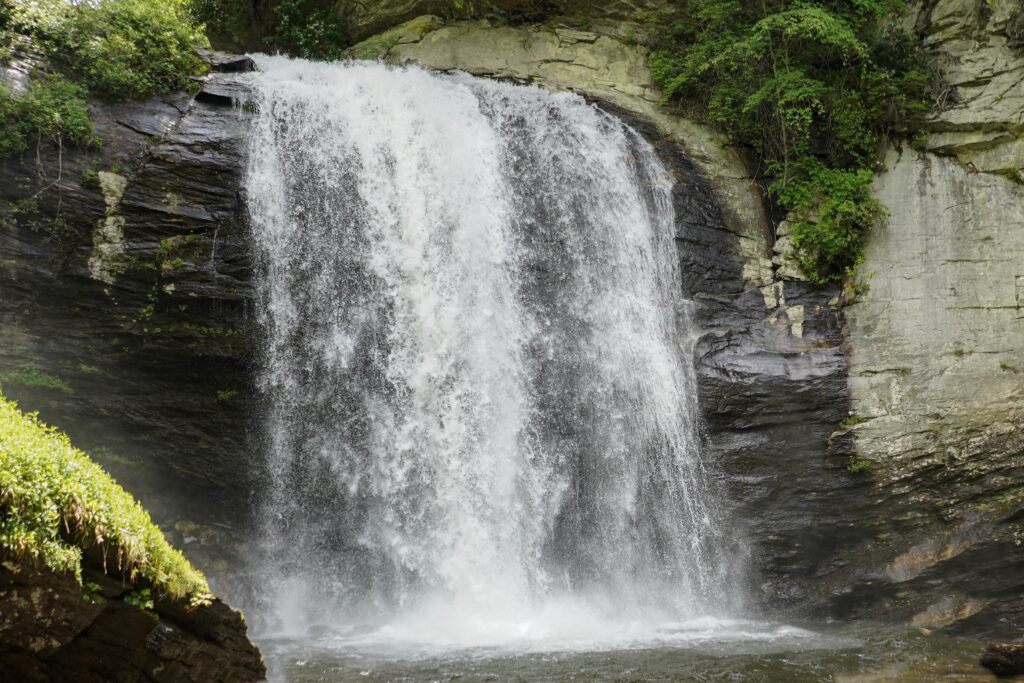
(1004, 659)
(123, 287)
(772, 381)
(51, 631)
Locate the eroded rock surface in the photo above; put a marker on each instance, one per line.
(124, 278)
(51, 629)
(936, 349)
(978, 47)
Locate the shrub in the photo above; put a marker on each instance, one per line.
(52, 109)
(55, 503)
(813, 87)
(311, 29)
(306, 29)
(118, 49)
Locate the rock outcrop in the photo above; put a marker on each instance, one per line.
(125, 275)
(51, 631)
(869, 446)
(936, 343)
(978, 48)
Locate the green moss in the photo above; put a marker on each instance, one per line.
(858, 465)
(1007, 366)
(56, 502)
(226, 395)
(172, 264)
(375, 48)
(853, 420)
(32, 377)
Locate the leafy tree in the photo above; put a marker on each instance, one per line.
(118, 49)
(813, 86)
(53, 109)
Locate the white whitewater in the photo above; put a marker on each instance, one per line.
(481, 416)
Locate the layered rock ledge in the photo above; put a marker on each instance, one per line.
(50, 631)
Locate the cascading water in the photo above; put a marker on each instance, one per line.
(481, 399)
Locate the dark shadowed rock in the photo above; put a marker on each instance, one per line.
(124, 271)
(51, 631)
(226, 62)
(1004, 659)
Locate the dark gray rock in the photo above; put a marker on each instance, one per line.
(226, 62)
(150, 338)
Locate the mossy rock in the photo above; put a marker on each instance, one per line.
(58, 504)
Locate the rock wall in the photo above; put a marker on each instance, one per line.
(868, 447)
(50, 631)
(936, 347)
(123, 292)
(936, 344)
(978, 49)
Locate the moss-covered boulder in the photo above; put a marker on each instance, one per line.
(90, 590)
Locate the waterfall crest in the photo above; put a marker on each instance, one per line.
(476, 356)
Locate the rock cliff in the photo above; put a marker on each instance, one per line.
(48, 632)
(935, 345)
(869, 445)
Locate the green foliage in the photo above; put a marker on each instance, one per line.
(92, 592)
(226, 395)
(311, 29)
(857, 466)
(117, 48)
(53, 109)
(227, 19)
(813, 86)
(308, 29)
(32, 377)
(142, 599)
(56, 503)
(462, 9)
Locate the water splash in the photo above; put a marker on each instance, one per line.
(476, 357)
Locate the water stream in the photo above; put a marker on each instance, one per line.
(481, 424)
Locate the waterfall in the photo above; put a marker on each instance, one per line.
(476, 355)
